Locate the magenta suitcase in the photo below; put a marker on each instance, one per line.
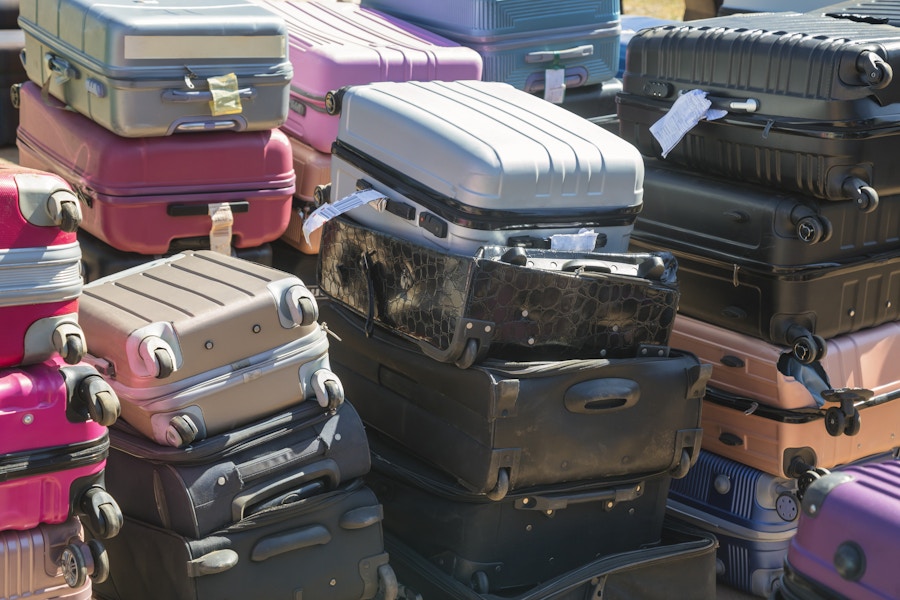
(54, 445)
(333, 45)
(139, 194)
(847, 533)
(40, 281)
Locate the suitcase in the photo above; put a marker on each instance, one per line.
(313, 169)
(631, 24)
(39, 278)
(326, 546)
(9, 14)
(809, 98)
(471, 163)
(519, 40)
(759, 226)
(591, 101)
(214, 482)
(55, 445)
(788, 443)
(733, 7)
(141, 195)
(847, 528)
(522, 540)
(502, 302)
(50, 562)
(502, 426)
(797, 307)
(179, 340)
(11, 72)
(169, 67)
(333, 45)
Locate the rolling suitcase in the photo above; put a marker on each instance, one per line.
(11, 72)
(54, 448)
(333, 45)
(503, 426)
(214, 482)
(185, 341)
(520, 40)
(313, 170)
(810, 101)
(161, 68)
(459, 165)
(141, 195)
(501, 302)
(326, 546)
(40, 282)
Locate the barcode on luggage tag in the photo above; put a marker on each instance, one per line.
(326, 212)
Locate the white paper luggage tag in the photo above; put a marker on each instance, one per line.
(555, 85)
(220, 230)
(686, 112)
(326, 212)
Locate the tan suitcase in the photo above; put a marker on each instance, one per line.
(313, 169)
(199, 343)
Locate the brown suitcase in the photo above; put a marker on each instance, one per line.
(313, 169)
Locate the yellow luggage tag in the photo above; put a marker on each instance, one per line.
(226, 100)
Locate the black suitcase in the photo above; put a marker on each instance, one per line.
(591, 101)
(195, 490)
(527, 538)
(12, 71)
(329, 546)
(514, 303)
(756, 225)
(812, 106)
(502, 426)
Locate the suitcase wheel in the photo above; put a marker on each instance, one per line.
(103, 515)
(683, 466)
(333, 100)
(808, 348)
(166, 365)
(479, 582)
(388, 588)
(64, 209)
(813, 229)
(469, 355)
(873, 70)
(101, 561)
(68, 340)
(74, 565)
(100, 400)
(862, 193)
(322, 194)
(15, 94)
(181, 431)
(328, 389)
(807, 478)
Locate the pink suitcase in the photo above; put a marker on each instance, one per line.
(139, 194)
(313, 169)
(40, 280)
(333, 45)
(54, 446)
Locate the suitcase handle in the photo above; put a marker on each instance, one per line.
(202, 95)
(545, 56)
(202, 209)
(602, 396)
(269, 547)
(608, 496)
(325, 470)
(212, 563)
(734, 105)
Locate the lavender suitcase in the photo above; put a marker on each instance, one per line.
(334, 45)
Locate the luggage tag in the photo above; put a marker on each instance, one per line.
(326, 212)
(220, 231)
(226, 99)
(686, 112)
(555, 82)
(583, 241)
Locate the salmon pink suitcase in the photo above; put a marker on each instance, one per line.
(139, 195)
(40, 281)
(313, 170)
(54, 446)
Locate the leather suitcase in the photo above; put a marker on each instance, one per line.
(143, 195)
(503, 426)
(161, 68)
(313, 170)
(11, 72)
(185, 341)
(511, 303)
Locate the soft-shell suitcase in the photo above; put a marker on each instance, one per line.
(846, 535)
(519, 40)
(326, 546)
(503, 426)
(50, 562)
(313, 170)
(810, 98)
(11, 72)
(141, 195)
(524, 539)
(200, 343)
(513, 303)
(40, 282)
(468, 163)
(214, 482)
(154, 69)
(333, 45)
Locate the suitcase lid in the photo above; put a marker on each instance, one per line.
(488, 145)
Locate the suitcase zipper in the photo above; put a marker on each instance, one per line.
(28, 463)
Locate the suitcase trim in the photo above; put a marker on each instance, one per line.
(40, 275)
(52, 459)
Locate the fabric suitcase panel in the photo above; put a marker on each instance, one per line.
(12, 71)
(477, 423)
(215, 481)
(313, 169)
(156, 70)
(460, 307)
(328, 546)
(141, 195)
(512, 164)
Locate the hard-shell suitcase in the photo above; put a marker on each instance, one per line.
(50, 562)
(199, 343)
(513, 303)
(845, 535)
(333, 45)
(141, 195)
(40, 282)
(519, 40)
(592, 101)
(54, 447)
(504, 426)
(326, 546)
(526, 538)
(799, 307)
(158, 68)
(631, 24)
(810, 100)
(468, 163)
(11, 72)
(214, 482)
(313, 170)
(756, 225)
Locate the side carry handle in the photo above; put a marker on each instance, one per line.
(202, 209)
(326, 470)
(602, 396)
(608, 496)
(549, 56)
(203, 95)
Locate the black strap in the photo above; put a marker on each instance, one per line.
(370, 289)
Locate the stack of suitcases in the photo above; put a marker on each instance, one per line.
(780, 206)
